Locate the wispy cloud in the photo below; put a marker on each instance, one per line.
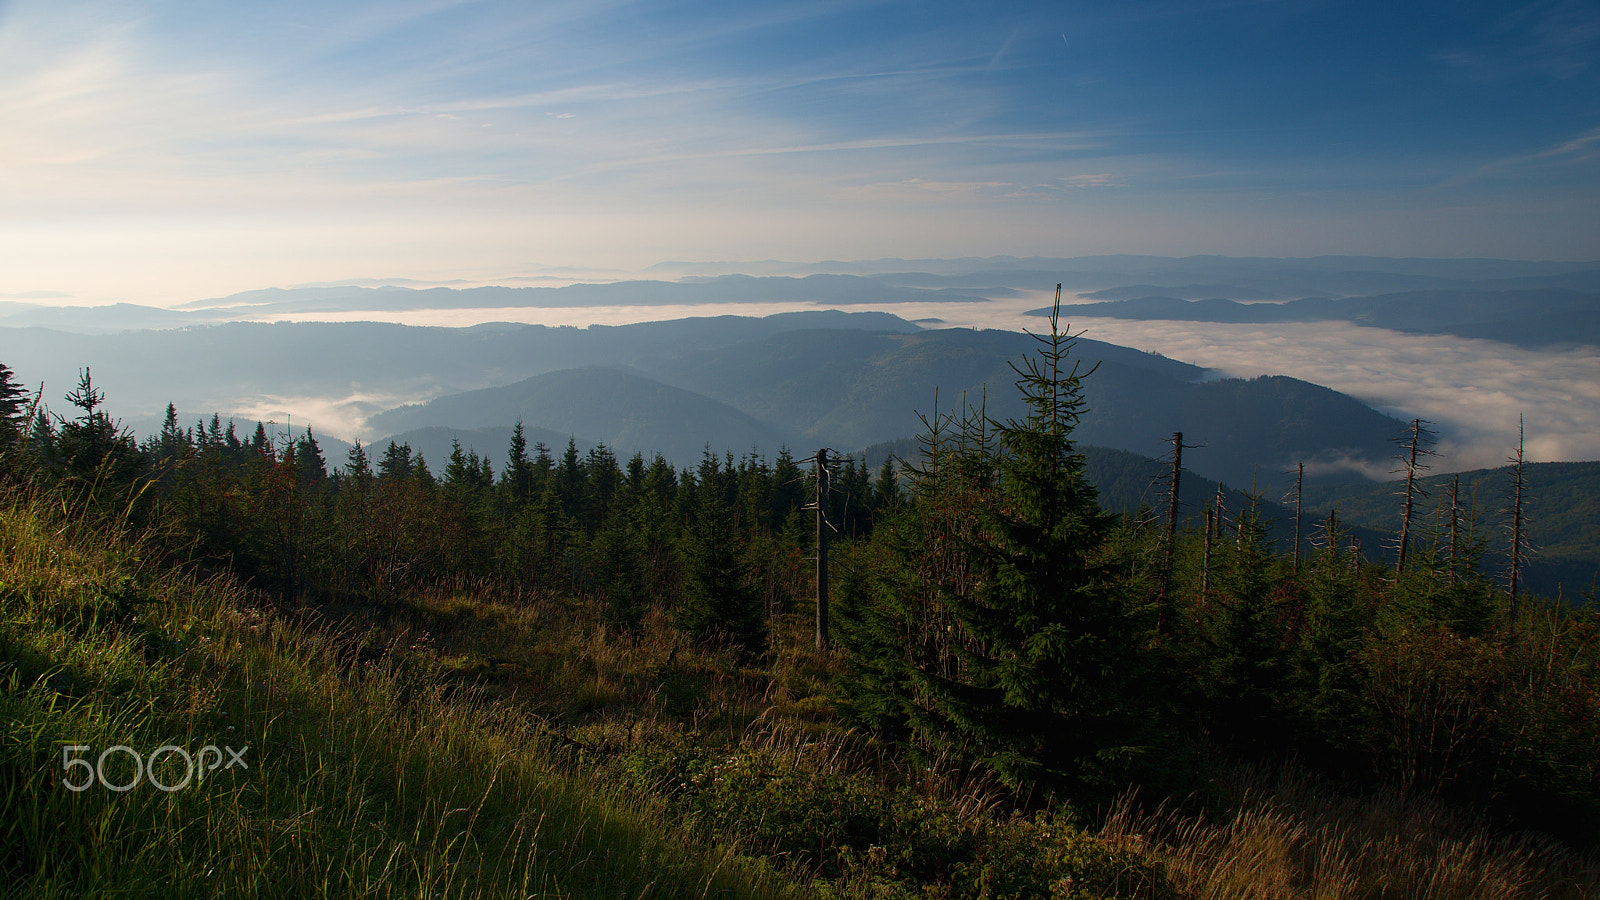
(1097, 180)
(1550, 38)
(919, 189)
(1582, 149)
(646, 127)
(1561, 36)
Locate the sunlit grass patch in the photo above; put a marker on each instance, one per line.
(1289, 837)
(353, 774)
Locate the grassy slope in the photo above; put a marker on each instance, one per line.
(391, 775)
(364, 779)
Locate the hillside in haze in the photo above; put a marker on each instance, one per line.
(798, 379)
(850, 388)
(1561, 506)
(367, 365)
(623, 410)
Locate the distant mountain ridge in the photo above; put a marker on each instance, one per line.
(885, 282)
(374, 365)
(828, 288)
(821, 377)
(1530, 318)
(848, 388)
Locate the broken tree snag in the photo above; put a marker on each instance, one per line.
(823, 642)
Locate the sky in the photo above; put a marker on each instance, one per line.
(161, 151)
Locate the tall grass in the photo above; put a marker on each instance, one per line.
(366, 777)
(1290, 838)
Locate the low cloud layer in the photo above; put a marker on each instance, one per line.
(1474, 391)
(341, 417)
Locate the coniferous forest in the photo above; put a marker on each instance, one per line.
(561, 673)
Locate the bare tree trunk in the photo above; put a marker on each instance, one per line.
(1222, 512)
(1163, 622)
(1519, 487)
(823, 641)
(1415, 446)
(1299, 498)
(1455, 529)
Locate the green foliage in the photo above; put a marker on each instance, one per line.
(1246, 653)
(1495, 722)
(91, 456)
(361, 778)
(995, 629)
(870, 838)
(1562, 505)
(14, 409)
(1326, 674)
(719, 607)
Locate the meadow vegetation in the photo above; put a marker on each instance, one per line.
(582, 677)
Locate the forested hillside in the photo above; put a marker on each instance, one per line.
(618, 408)
(1562, 503)
(1024, 692)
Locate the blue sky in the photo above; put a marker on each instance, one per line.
(165, 151)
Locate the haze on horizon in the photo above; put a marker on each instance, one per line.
(160, 152)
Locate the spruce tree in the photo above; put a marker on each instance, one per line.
(13, 418)
(518, 475)
(993, 627)
(171, 445)
(396, 463)
(886, 497)
(1325, 665)
(313, 467)
(259, 442)
(460, 475)
(1246, 657)
(357, 468)
(90, 450)
(718, 608)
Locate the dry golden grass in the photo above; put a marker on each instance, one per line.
(1290, 839)
(1294, 840)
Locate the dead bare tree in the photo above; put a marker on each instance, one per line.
(1173, 481)
(1517, 521)
(824, 481)
(1454, 512)
(1299, 504)
(1417, 443)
